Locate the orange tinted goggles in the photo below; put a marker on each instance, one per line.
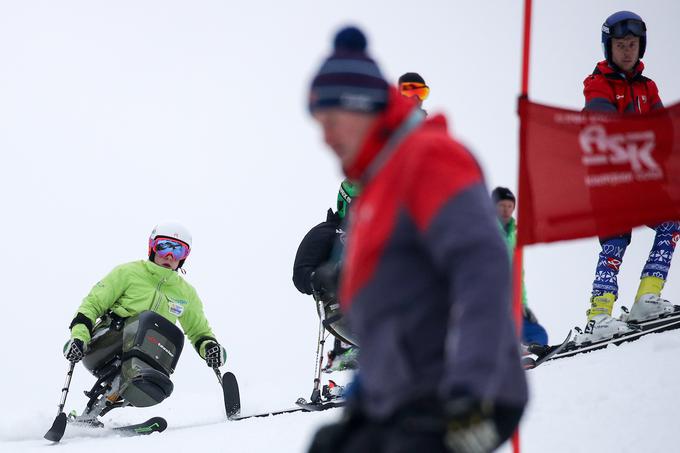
(410, 89)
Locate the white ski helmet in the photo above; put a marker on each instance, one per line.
(172, 230)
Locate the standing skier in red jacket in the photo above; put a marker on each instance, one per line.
(618, 86)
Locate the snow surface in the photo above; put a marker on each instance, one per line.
(616, 400)
(117, 115)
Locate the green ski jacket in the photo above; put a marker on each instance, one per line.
(510, 235)
(134, 287)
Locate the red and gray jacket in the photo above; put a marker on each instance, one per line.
(608, 90)
(426, 280)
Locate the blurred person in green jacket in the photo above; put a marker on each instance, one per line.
(505, 202)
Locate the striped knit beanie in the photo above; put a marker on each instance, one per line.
(349, 78)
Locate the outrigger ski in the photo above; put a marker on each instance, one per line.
(232, 396)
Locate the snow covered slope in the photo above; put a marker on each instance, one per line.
(618, 400)
(622, 399)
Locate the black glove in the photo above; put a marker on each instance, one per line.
(474, 426)
(214, 354)
(470, 426)
(74, 350)
(324, 281)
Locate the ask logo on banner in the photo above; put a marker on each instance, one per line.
(633, 151)
(588, 174)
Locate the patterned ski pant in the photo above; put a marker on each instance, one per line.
(657, 265)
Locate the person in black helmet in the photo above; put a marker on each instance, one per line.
(315, 261)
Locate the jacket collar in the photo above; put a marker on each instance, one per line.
(398, 108)
(160, 271)
(611, 71)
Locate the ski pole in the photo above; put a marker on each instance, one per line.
(67, 384)
(316, 393)
(219, 376)
(56, 432)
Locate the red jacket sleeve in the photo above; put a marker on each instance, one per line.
(599, 95)
(654, 99)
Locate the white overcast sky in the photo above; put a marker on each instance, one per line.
(117, 115)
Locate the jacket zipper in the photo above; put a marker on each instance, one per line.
(633, 99)
(157, 302)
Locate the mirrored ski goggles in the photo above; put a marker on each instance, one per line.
(164, 247)
(410, 89)
(623, 28)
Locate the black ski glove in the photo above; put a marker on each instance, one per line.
(324, 281)
(214, 354)
(74, 350)
(474, 426)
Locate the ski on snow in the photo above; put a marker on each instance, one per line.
(302, 406)
(550, 351)
(309, 406)
(289, 410)
(658, 325)
(232, 403)
(152, 425)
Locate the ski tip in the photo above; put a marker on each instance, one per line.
(161, 423)
(56, 432)
(152, 425)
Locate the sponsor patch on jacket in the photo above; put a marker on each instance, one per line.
(176, 307)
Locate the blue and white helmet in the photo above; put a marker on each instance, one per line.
(619, 25)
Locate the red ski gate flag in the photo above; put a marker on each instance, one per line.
(595, 174)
